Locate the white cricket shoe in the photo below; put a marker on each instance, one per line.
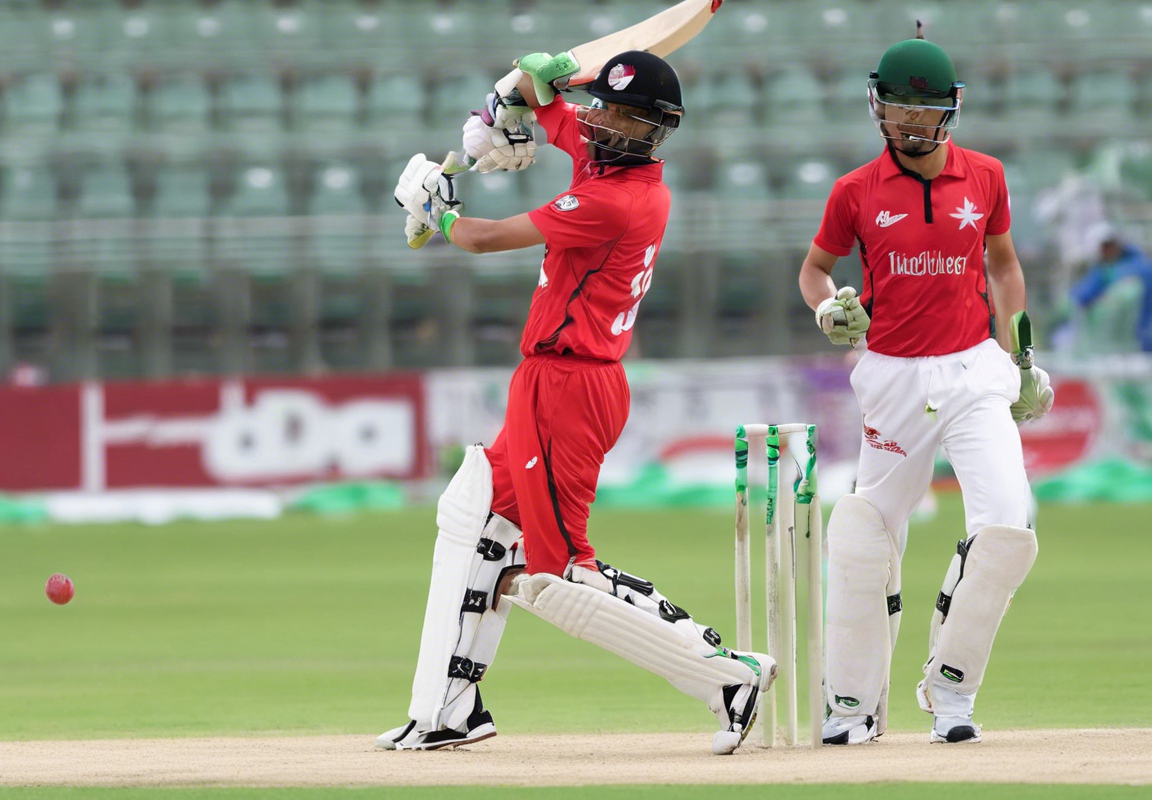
(415, 736)
(954, 730)
(738, 702)
(857, 729)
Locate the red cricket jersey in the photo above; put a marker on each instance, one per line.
(601, 238)
(922, 246)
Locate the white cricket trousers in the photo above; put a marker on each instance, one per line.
(913, 406)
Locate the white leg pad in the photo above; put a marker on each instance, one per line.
(858, 623)
(460, 564)
(977, 591)
(684, 659)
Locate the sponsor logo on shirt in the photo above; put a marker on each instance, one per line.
(620, 76)
(872, 437)
(886, 218)
(927, 263)
(967, 214)
(568, 202)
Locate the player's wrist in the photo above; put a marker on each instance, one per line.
(447, 220)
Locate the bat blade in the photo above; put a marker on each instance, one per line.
(660, 35)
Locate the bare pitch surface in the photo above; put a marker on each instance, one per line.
(1089, 756)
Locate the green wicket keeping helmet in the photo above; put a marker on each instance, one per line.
(916, 75)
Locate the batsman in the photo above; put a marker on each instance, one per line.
(948, 363)
(513, 520)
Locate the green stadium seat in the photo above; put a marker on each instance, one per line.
(360, 33)
(261, 190)
(182, 191)
(793, 96)
(181, 103)
(34, 104)
(252, 101)
(21, 50)
(29, 193)
(328, 102)
(743, 181)
(217, 35)
(1102, 97)
(134, 36)
(106, 102)
(106, 191)
(397, 99)
(454, 98)
(846, 94)
(74, 36)
(290, 34)
(337, 190)
(809, 179)
(495, 195)
(728, 98)
(749, 33)
(1033, 96)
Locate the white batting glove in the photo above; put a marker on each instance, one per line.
(425, 192)
(500, 136)
(414, 229)
(842, 318)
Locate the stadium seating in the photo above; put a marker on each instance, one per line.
(263, 138)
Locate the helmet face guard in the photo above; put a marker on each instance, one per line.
(626, 134)
(913, 116)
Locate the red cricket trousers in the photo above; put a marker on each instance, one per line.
(564, 413)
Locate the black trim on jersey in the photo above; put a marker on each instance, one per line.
(556, 501)
(984, 297)
(545, 344)
(925, 182)
(867, 274)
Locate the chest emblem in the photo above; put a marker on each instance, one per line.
(568, 202)
(886, 218)
(967, 215)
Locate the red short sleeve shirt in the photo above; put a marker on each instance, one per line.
(601, 238)
(922, 247)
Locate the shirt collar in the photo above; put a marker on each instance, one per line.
(645, 172)
(953, 164)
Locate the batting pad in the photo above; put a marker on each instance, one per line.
(685, 661)
(998, 559)
(461, 514)
(858, 624)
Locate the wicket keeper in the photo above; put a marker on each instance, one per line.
(948, 363)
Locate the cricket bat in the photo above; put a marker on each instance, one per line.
(660, 35)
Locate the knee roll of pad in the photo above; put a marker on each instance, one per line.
(978, 587)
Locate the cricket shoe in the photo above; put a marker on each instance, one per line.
(857, 729)
(739, 702)
(415, 736)
(954, 730)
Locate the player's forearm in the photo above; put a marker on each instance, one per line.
(494, 235)
(1009, 297)
(815, 284)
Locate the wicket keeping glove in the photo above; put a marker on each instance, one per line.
(1036, 393)
(842, 318)
(426, 192)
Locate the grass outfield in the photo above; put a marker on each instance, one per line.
(311, 625)
(875, 791)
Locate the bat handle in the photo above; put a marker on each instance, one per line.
(453, 164)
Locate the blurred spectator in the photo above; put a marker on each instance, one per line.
(1112, 303)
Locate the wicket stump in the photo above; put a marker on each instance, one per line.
(798, 517)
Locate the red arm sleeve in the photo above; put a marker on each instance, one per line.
(837, 232)
(558, 118)
(582, 218)
(1000, 220)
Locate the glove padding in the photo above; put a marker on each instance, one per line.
(425, 192)
(1036, 395)
(416, 231)
(500, 136)
(842, 318)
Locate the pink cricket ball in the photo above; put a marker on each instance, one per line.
(59, 589)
